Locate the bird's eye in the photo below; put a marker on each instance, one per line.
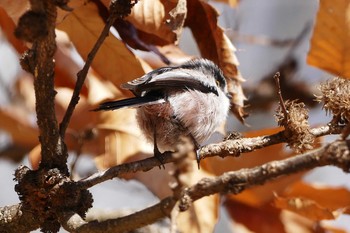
(218, 83)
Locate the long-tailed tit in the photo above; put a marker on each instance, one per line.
(186, 100)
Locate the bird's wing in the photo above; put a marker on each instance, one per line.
(169, 78)
(135, 84)
(131, 102)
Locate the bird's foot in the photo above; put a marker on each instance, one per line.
(161, 156)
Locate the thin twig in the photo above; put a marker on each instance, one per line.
(74, 223)
(227, 148)
(279, 93)
(244, 145)
(336, 153)
(116, 171)
(82, 74)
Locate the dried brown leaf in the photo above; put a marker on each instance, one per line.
(296, 223)
(269, 219)
(15, 121)
(330, 40)
(331, 229)
(329, 197)
(162, 18)
(305, 207)
(201, 217)
(72, 4)
(14, 9)
(34, 156)
(262, 219)
(113, 61)
(66, 68)
(215, 45)
(7, 27)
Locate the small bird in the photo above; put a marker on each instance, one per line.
(190, 99)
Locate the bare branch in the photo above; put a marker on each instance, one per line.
(116, 171)
(336, 153)
(279, 93)
(73, 223)
(82, 74)
(37, 25)
(226, 148)
(243, 145)
(15, 218)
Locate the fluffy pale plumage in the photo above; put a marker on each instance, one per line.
(190, 99)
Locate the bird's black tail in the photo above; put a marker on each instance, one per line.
(131, 102)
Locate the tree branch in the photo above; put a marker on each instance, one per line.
(37, 25)
(243, 145)
(116, 171)
(15, 218)
(336, 153)
(73, 223)
(222, 149)
(82, 74)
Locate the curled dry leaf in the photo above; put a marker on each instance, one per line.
(163, 19)
(215, 45)
(315, 201)
(330, 40)
(256, 219)
(129, 34)
(113, 61)
(266, 218)
(305, 207)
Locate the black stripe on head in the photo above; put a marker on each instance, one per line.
(208, 67)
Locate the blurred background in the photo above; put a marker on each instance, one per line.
(270, 36)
